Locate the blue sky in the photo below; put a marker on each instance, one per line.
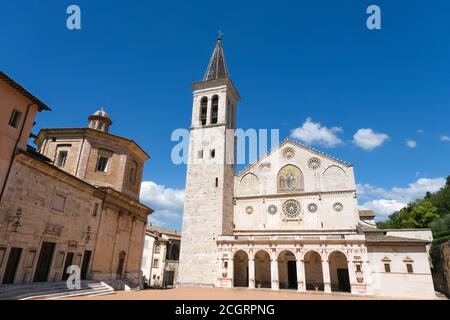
(290, 60)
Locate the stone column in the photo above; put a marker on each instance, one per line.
(301, 278)
(209, 111)
(251, 273)
(230, 271)
(326, 276)
(352, 276)
(274, 269)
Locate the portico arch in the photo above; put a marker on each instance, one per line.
(339, 276)
(262, 270)
(240, 269)
(313, 271)
(287, 270)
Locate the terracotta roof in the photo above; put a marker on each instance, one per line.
(23, 91)
(163, 231)
(366, 213)
(381, 238)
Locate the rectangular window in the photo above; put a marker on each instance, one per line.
(102, 164)
(217, 182)
(157, 248)
(95, 212)
(200, 154)
(155, 263)
(387, 267)
(409, 267)
(14, 120)
(58, 203)
(358, 268)
(62, 158)
(213, 153)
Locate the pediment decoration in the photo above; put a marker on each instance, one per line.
(53, 229)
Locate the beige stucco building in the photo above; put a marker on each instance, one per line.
(161, 257)
(74, 201)
(288, 221)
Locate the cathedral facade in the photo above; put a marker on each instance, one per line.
(288, 221)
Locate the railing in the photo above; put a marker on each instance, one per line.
(318, 237)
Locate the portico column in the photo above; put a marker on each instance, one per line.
(230, 272)
(301, 282)
(274, 268)
(352, 275)
(326, 276)
(251, 273)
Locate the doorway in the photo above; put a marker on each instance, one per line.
(69, 261)
(11, 266)
(292, 274)
(44, 262)
(120, 267)
(85, 264)
(344, 280)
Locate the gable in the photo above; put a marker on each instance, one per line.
(284, 152)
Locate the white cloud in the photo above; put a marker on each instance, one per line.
(368, 140)
(314, 133)
(167, 202)
(420, 131)
(411, 144)
(444, 138)
(383, 207)
(385, 202)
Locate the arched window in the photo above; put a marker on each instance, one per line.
(215, 110)
(290, 179)
(203, 110)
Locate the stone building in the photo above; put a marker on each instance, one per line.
(288, 221)
(72, 202)
(161, 257)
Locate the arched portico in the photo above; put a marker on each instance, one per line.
(287, 270)
(262, 270)
(313, 271)
(240, 269)
(339, 274)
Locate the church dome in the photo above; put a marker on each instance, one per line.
(100, 120)
(101, 112)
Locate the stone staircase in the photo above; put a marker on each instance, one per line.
(53, 290)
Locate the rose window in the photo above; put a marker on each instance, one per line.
(272, 209)
(291, 209)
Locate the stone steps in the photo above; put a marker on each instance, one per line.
(52, 290)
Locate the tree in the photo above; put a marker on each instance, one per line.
(448, 182)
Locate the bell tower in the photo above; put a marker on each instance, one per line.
(208, 208)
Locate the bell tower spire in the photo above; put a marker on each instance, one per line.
(217, 67)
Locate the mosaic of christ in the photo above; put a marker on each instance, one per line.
(290, 179)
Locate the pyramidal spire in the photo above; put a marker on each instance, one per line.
(217, 68)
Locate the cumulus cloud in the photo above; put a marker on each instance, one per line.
(314, 133)
(368, 140)
(167, 202)
(386, 201)
(444, 138)
(383, 207)
(411, 144)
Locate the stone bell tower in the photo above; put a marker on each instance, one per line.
(208, 209)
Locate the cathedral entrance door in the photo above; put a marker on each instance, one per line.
(344, 281)
(292, 274)
(69, 261)
(11, 266)
(44, 262)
